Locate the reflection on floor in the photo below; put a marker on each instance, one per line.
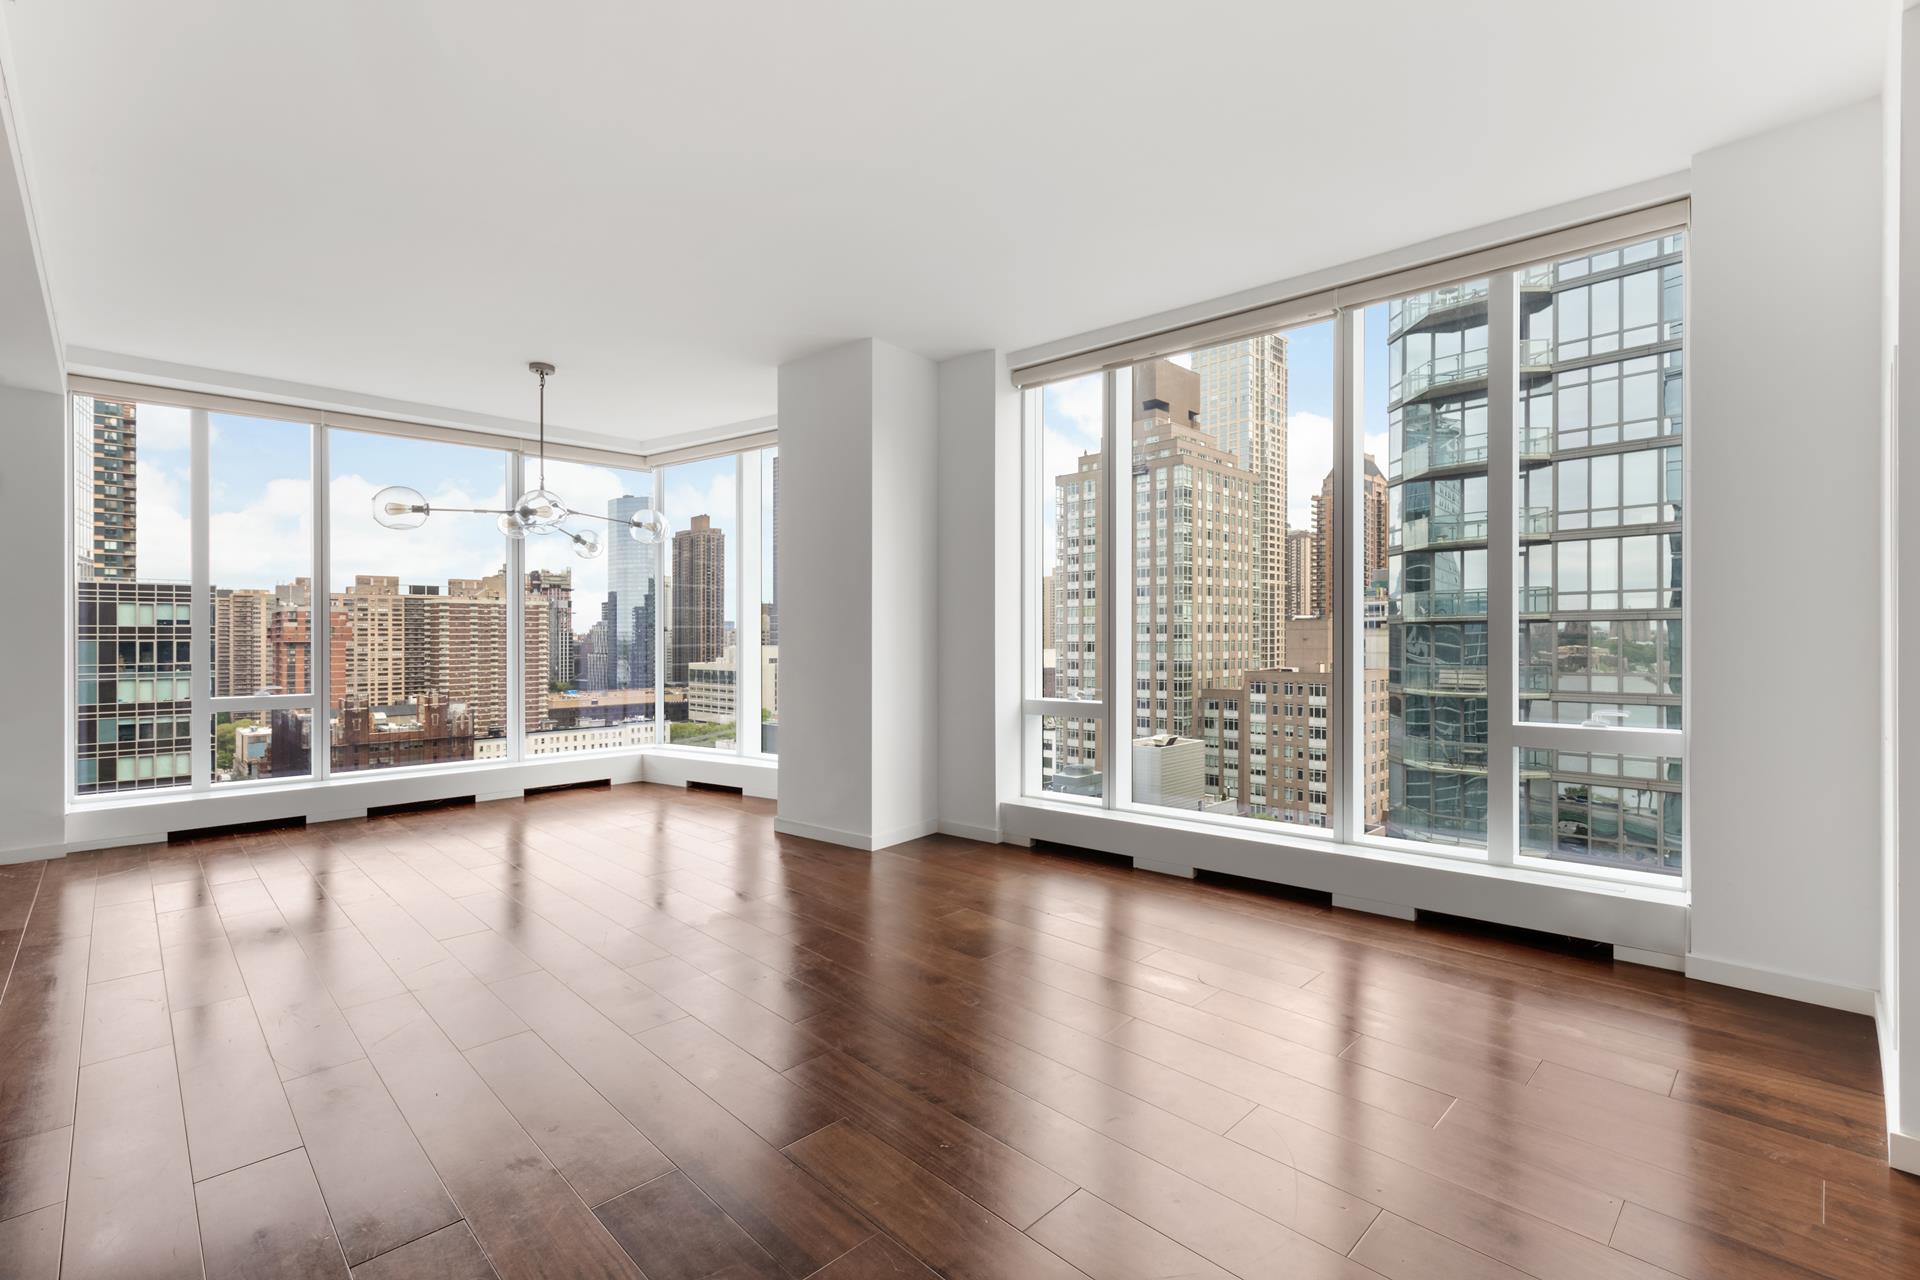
(632, 1031)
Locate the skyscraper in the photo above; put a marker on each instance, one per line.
(106, 489)
(699, 595)
(1194, 532)
(553, 588)
(1373, 535)
(1598, 520)
(633, 587)
(1300, 569)
(242, 653)
(1242, 402)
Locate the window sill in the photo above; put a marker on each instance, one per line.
(1640, 916)
(95, 822)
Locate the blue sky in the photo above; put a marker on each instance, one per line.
(260, 520)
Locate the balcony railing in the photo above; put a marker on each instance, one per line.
(1420, 605)
(1407, 312)
(1439, 372)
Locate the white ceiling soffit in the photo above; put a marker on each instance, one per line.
(669, 200)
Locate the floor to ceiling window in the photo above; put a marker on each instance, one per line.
(1409, 575)
(589, 642)
(237, 622)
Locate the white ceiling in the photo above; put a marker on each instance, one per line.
(410, 200)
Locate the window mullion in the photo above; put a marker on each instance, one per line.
(516, 584)
(1346, 609)
(1115, 591)
(320, 613)
(746, 655)
(200, 630)
(1503, 394)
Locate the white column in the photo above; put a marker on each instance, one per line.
(746, 675)
(859, 628)
(979, 725)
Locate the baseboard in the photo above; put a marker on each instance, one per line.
(967, 831)
(1651, 959)
(10, 856)
(1373, 906)
(1183, 870)
(1903, 1152)
(828, 835)
(1785, 985)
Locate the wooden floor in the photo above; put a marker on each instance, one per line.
(632, 1032)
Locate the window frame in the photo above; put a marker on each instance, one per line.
(745, 451)
(1508, 735)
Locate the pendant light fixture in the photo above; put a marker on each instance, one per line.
(538, 511)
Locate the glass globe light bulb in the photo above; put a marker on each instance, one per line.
(649, 527)
(587, 545)
(540, 510)
(512, 525)
(398, 507)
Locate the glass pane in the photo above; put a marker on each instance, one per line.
(1601, 809)
(770, 601)
(1609, 605)
(1070, 429)
(1070, 757)
(589, 634)
(1232, 520)
(251, 745)
(260, 545)
(417, 617)
(133, 607)
(701, 501)
(1425, 361)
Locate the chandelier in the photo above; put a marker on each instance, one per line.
(537, 511)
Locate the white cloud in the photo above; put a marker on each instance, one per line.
(449, 545)
(1073, 411)
(1309, 459)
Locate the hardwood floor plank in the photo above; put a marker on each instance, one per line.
(1402, 1250)
(521, 1210)
(1699, 1254)
(33, 1172)
(124, 1015)
(675, 1232)
(379, 1186)
(978, 1165)
(41, 1024)
(450, 1253)
(30, 1244)
(267, 1222)
(596, 1150)
(877, 1259)
(236, 1111)
(1102, 1241)
(770, 1104)
(800, 1223)
(955, 1235)
(468, 1012)
(130, 1207)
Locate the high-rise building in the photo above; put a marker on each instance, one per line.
(1373, 534)
(134, 678)
(242, 651)
(633, 586)
(1598, 495)
(553, 588)
(1269, 740)
(1194, 533)
(1301, 602)
(1243, 405)
(699, 595)
(106, 489)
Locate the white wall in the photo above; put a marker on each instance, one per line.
(33, 526)
(905, 577)
(978, 724)
(1900, 1002)
(859, 576)
(1783, 551)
